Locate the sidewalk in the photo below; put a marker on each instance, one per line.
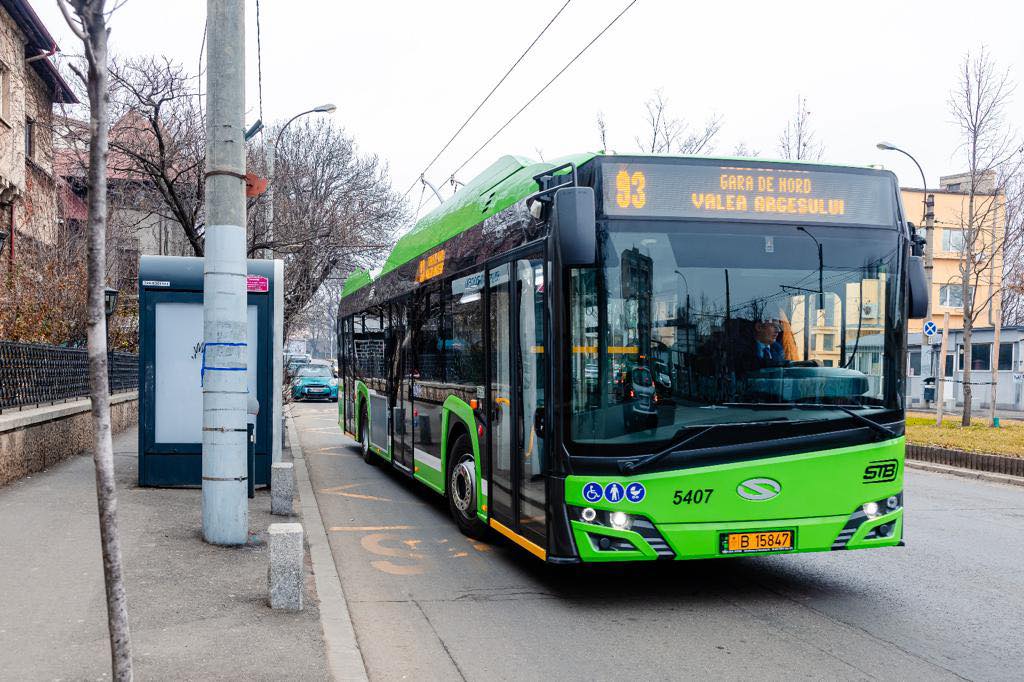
(197, 611)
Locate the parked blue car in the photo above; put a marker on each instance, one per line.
(315, 382)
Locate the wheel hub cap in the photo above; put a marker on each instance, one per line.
(462, 486)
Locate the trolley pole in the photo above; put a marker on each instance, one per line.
(225, 471)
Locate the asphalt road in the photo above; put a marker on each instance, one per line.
(428, 603)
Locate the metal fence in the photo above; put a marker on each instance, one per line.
(32, 373)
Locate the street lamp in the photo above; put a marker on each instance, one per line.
(821, 268)
(889, 147)
(322, 109)
(927, 219)
(109, 306)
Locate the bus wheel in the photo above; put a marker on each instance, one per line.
(462, 489)
(364, 437)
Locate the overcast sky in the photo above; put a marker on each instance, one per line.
(405, 74)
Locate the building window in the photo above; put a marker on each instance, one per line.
(953, 187)
(952, 295)
(30, 138)
(829, 342)
(952, 240)
(981, 357)
(915, 363)
(1005, 357)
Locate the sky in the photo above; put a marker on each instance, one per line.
(406, 74)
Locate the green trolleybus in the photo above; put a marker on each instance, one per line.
(617, 358)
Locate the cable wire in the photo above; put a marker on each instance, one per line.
(484, 100)
(546, 86)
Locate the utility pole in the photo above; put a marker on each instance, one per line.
(271, 160)
(940, 375)
(929, 245)
(225, 328)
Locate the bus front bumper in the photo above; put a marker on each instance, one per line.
(645, 541)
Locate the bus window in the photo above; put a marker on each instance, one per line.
(464, 345)
(426, 368)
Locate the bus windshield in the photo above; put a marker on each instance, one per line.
(688, 324)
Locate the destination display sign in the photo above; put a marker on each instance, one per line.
(746, 192)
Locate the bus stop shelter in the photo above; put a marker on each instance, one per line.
(170, 367)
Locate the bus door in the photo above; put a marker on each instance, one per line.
(401, 393)
(517, 488)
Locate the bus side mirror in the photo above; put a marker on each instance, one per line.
(575, 226)
(918, 288)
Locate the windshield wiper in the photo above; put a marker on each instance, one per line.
(634, 466)
(880, 428)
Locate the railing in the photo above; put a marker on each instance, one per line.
(33, 374)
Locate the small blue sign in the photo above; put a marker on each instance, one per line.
(930, 329)
(592, 492)
(635, 492)
(613, 492)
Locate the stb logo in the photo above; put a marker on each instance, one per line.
(758, 489)
(881, 471)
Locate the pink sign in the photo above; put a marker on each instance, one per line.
(257, 283)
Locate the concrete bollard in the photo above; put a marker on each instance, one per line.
(282, 488)
(285, 574)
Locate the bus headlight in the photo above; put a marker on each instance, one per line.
(871, 509)
(588, 514)
(892, 502)
(619, 520)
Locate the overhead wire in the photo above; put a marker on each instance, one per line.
(546, 86)
(487, 97)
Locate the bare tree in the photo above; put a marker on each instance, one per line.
(90, 25)
(1013, 253)
(669, 135)
(992, 150)
(742, 150)
(334, 210)
(797, 139)
(157, 150)
(159, 139)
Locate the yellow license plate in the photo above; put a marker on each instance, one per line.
(759, 541)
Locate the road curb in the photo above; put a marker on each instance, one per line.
(343, 656)
(965, 473)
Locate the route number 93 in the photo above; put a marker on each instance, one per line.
(693, 496)
(630, 189)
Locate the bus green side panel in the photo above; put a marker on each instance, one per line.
(428, 476)
(458, 407)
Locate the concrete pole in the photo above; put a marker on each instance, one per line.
(940, 375)
(929, 247)
(225, 503)
(997, 314)
(278, 378)
(271, 160)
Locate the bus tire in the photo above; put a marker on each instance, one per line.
(364, 437)
(461, 488)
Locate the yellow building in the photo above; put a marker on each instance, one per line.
(951, 203)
